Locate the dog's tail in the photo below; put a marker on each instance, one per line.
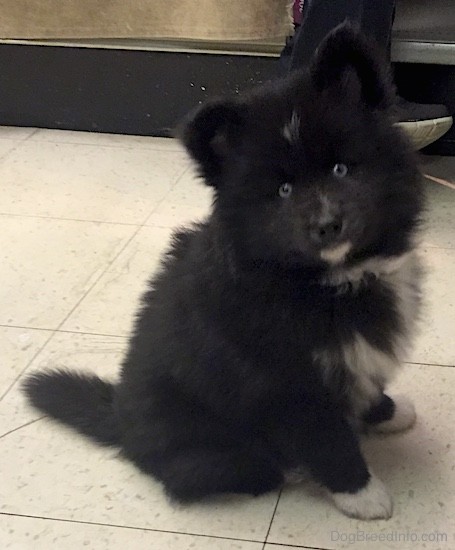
(82, 401)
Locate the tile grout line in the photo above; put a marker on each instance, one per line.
(35, 355)
(71, 311)
(102, 273)
(22, 426)
(425, 364)
(34, 131)
(64, 331)
(8, 214)
(136, 146)
(131, 527)
(18, 143)
(126, 336)
(106, 222)
(296, 546)
(172, 187)
(272, 518)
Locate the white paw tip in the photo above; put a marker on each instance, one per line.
(403, 418)
(371, 502)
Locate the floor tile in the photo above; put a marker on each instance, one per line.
(189, 201)
(21, 533)
(170, 214)
(17, 348)
(110, 306)
(7, 146)
(418, 468)
(107, 140)
(16, 132)
(439, 167)
(50, 472)
(47, 265)
(84, 352)
(191, 191)
(439, 228)
(285, 547)
(435, 342)
(87, 182)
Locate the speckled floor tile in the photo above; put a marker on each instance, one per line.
(284, 547)
(439, 219)
(87, 182)
(17, 348)
(169, 214)
(22, 533)
(440, 167)
(109, 308)
(7, 146)
(16, 133)
(418, 467)
(107, 140)
(84, 352)
(189, 201)
(435, 342)
(48, 471)
(48, 264)
(190, 191)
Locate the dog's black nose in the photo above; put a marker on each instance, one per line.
(326, 233)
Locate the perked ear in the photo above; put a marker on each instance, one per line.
(210, 132)
(347, 64)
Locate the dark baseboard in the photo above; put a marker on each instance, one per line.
(118, 91)
(148, 92)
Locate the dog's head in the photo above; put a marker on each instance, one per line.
(311, 171)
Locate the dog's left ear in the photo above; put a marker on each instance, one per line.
(347, 65)
(209, 134)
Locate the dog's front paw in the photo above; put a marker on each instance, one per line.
(404, 417)
(371, 502)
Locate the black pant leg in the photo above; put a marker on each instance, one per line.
(377, 20)
(319, 18)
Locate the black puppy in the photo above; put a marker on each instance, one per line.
(265, 343)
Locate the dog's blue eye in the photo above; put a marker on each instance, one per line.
(285, 190)
(340, 170)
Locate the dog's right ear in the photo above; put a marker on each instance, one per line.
(209, 134)
(352, 69)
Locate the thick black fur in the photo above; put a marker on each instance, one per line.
(220, 390)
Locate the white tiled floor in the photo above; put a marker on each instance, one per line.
(83, 220)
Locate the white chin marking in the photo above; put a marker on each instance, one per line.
(371, 502)
(336, 254)
(403, 418)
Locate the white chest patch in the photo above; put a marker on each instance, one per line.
(369, 367)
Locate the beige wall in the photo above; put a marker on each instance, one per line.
(194, 19)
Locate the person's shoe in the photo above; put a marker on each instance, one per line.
(423, 123)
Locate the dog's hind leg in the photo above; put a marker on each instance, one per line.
(192, 474)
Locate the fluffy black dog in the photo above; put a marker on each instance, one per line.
(265, 343)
